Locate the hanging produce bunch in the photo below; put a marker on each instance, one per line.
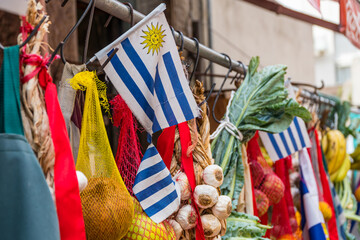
(204, 203)
(260, 103)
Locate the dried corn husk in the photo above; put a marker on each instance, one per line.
(33, 110)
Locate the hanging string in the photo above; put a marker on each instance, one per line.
(226, 124)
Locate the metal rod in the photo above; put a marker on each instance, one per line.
(121, 11)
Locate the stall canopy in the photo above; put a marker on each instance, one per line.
(349, 23)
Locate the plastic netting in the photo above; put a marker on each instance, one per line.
(143, 228)
(107, 206)
(264, 178)
(283, 217)
(128, 154)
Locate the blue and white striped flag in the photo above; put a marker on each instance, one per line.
(312, 220)
(148, 74)
(287, 142)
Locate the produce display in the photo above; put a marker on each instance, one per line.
(276, 167)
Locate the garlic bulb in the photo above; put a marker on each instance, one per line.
(223, 207)
(213, 175)
(185, 189)
(205, 196)
(186, 217)
(177, 228)
(82, 180)
(211, 225)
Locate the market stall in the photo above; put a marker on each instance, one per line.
(280, 165)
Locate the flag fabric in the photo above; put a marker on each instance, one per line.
(315, 4)
(283, 144)
(147, 72)
(312, 220)
(340, 215)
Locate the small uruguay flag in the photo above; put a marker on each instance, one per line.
(147, 72)
(283, 144)
(312, 220)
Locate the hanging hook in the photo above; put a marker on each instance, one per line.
(87, 38)
(69, 34)
(221, 87)
(196, 59)
(181, 48)
(131, 9)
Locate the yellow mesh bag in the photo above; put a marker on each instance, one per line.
(143, 228)
(107, 205)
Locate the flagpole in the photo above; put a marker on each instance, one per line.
(121, 11)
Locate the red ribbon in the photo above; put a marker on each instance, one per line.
(68, 203)
(165, 147)
(41, 68)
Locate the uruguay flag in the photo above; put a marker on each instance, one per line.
(312, 220)
(283, 144)
(148, 74)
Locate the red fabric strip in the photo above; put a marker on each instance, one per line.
(68, 203)
(165, 145)
(187, 164)
(333, 234)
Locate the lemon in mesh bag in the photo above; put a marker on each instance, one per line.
(143, 228)
(107, 205)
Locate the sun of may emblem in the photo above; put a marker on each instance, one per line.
(153, 38)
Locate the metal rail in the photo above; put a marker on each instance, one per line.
(121, 11)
